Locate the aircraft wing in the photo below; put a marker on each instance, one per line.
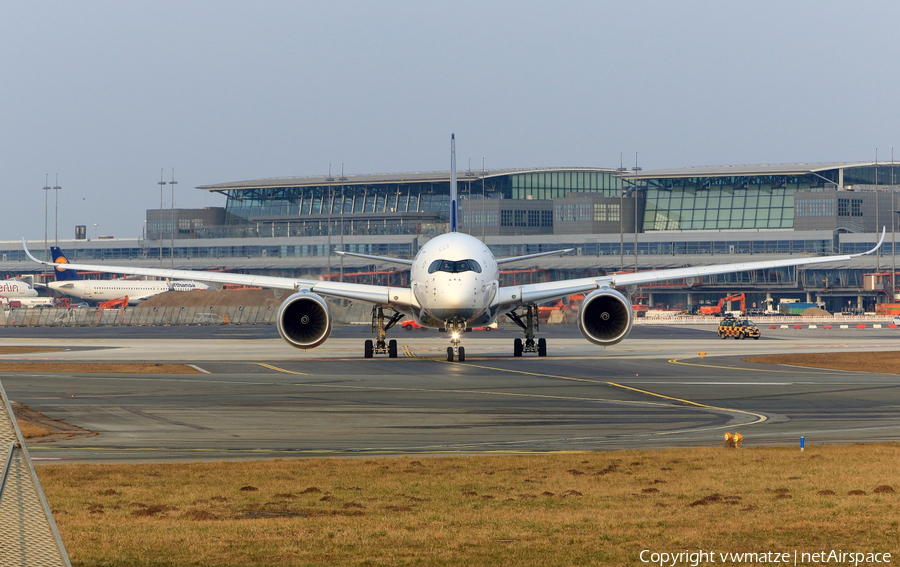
(376, 258)
(513, 296)
(501, 261)
(398, 297)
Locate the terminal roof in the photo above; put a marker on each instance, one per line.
(746, 170)
(385, 178)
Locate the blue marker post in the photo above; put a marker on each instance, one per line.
(802, 440)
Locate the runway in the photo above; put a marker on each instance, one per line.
(259, 398)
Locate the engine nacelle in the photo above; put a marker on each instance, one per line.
(605, 317)
(304, 320)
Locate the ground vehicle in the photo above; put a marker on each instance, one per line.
(114, 303)
(410, 324)
(737, 328)
(896, 320)
(717, 309)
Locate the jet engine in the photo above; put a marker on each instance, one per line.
(304, 320)
(605, 317)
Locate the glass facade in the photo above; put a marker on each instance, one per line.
(731, 206)
(558, 184)
(748, 201)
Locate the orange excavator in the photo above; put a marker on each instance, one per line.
(114, 303)
(717, 309)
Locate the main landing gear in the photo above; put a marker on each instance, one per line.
(454, 350)
(380, 328)
(529, 325)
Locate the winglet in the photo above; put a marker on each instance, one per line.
(25, 247)
(877, 246)
(872, 251)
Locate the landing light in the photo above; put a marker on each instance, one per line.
(454, 335)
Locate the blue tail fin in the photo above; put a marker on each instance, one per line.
(62, 274)
(453, 222)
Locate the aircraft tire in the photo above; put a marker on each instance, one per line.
(392, 348)
(449, 354)
(517, 348)
(368, 349)
(542, 347)
(462, 354)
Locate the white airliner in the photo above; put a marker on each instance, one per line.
(16, 289)
(27, 296)
(135, 290)
(69, 282)
(455, 285)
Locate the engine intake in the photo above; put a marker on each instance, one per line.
(605, 317)
(304, 320)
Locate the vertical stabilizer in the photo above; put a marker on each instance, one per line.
(62, 274)
(453, 222)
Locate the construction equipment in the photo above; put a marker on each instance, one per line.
(114, 303)
(717, 309)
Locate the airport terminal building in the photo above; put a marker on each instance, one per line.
(613, 219)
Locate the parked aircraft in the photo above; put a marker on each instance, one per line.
(16, 289)
(70, 283)
(17, 292)
(455, 285)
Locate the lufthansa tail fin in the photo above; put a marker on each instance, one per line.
(453, 222)
(62, 274)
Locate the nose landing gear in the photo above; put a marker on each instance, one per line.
(529, 325)
(380, 328)
(454, 350)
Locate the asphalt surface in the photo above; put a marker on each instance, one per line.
(258, 398)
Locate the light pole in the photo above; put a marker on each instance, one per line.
(621, 171)
(877, 252)
(342, 222)
(173, 183)
(483, 217)
(634, 190)
(159, 223)
(329, 179)
(56, 189)
(46, 196)
(893, 233)
(95, 231)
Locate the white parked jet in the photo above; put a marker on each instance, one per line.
(69, 282)
(455, 285)
(16, 289)
(22, 292)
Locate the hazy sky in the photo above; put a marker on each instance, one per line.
(106, 93)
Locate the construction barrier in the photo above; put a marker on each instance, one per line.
(159, 316)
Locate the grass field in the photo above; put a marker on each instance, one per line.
(542, 510)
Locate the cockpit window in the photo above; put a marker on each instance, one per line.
(454, 267)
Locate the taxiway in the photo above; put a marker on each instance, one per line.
(259, 398)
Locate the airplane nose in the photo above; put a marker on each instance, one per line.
(459, 298)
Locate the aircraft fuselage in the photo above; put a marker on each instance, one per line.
(455, 279)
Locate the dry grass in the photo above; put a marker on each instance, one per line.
(881, 362)
(31, 430)
(97, 367)
(26, 349)
(546, 510)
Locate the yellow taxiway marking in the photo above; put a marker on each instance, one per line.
(759, 417)
(740, 368)
(270, 367)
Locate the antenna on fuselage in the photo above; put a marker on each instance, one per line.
(453, 223)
